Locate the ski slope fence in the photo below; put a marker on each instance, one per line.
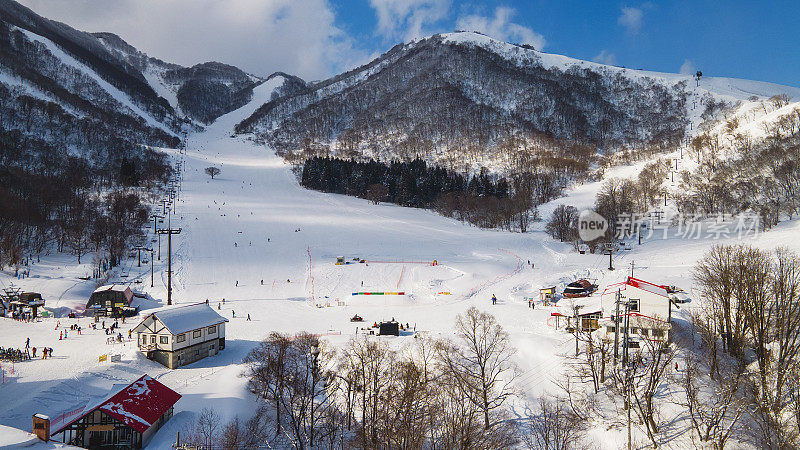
(379, 293)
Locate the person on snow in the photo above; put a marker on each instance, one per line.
(262, 282)
(34, 352)
(233, 314)
(60, 335)
(219, 306)
(494, 299)
(248, 316)
(28, 343)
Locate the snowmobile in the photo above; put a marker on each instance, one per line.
(580, 288)
(356, 318)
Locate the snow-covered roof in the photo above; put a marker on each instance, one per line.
(647, 286)
(113, 287)
(138, 405)
(636, 283)
(180, 319)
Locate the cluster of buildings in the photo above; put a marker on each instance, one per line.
(130, 415)
(642, 310)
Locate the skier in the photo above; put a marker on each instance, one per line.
(28, 343)
(494, 300)
(233, 314)
(262, 282)
(219, 306)
(237, 283)
(248, 316)
(60, 335)
(34, 352)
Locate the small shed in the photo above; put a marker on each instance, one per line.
(389, 329)
(127, 418)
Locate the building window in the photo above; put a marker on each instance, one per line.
(144, 339)
(658, 333)
(153, 339)
(644, 331)
(634, 304)
(181, 337)
(212, 329)
(197, 333)
(611, 329)
(164, 339)
(197, 353)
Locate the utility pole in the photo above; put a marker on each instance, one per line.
(616, 329)
(164, 206)
(627, 370)
(169, 232)
(576, 308)
(633, 265)
(151, 267)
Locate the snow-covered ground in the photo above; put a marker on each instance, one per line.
(254, 223)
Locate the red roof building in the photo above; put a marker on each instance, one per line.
(128, 418)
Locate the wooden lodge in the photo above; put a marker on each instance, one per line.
(127, 419)
(180, 335)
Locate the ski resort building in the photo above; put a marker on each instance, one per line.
(127, 418)
(180, 335)
(649, 310)
(111, 300)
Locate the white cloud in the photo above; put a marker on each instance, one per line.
(500, 27)
(604, 57)
(258, 36)
(408, 19)
(631, 19)
(688, 68)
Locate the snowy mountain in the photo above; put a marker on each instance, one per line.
(202, 92)
(466, 98)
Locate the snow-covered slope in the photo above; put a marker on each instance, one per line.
(255, 238)
(729, 88)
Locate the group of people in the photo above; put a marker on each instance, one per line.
(22, 316)
(46, 351)
(110, 330)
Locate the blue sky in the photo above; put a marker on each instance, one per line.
(754, 40)
(318, 38)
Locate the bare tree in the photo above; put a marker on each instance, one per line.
(714, 411)
(480, 361)
(208, 426)
(267, 372)
(555, 427)
(212, 171)
(563, 223)
(642, 379)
